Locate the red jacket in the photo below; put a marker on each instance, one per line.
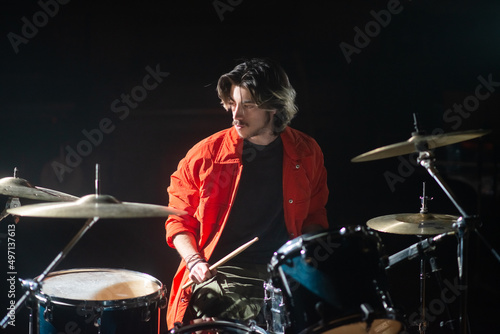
(205, 186)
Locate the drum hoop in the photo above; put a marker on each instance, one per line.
(208, 325)
(296, 245)
(122, 304)
(320, 328)
(334, 324)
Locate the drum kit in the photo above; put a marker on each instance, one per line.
(306, 291)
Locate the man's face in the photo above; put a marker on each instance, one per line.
(250, 121)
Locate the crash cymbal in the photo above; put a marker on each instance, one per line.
(89, 206)
(414, 223)
(17, 187)
(418, 143)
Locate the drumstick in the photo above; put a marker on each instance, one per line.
(225, 259)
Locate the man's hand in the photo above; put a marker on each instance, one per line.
(199, 269)
(200, 272)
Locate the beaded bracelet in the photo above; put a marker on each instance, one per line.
(195, 263)
(191, 257)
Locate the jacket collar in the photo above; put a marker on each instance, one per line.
(294, 144)
(231, 147)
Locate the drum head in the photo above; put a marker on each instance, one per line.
(99, 285)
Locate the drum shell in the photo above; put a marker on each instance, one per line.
(58, 313)
(331, 279)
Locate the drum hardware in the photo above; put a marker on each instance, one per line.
(47, 313)
(425, 245)
(89, 312)
(12, 202)
(274, 309)
(91, 207)
(423, 144)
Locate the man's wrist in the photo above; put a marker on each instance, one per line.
(193, 259)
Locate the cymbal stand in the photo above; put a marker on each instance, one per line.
(463, 226)
(436, 270)
(422, 323)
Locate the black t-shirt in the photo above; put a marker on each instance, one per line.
(257, 210)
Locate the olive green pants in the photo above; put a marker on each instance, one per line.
(235, 293)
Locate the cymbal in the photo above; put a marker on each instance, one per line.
(414, 223)
(412, 145)
(89, 206)
(17, 187)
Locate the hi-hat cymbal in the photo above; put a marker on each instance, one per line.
(102, 206)
(17, 187)
(414, 223)
(419, 142)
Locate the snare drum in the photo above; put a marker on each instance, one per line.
(334, 282)
(103, 301)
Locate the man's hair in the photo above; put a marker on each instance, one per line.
(269, 85)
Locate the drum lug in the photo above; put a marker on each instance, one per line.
(48, 314)
(367, 310)
(97, 316)
(146, 314)
(163, 298)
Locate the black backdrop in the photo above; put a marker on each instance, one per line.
(361, 69)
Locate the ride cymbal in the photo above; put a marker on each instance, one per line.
(17, 187)
(419, 143)
(89, 206)
(414, 223)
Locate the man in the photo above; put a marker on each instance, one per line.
(258, 178)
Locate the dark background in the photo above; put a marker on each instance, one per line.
(63, 79)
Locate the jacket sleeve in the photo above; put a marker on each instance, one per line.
(183, 195)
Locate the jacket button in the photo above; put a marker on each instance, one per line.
(290, 201)
(297, 166)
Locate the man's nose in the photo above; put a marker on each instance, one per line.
(237, 112)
